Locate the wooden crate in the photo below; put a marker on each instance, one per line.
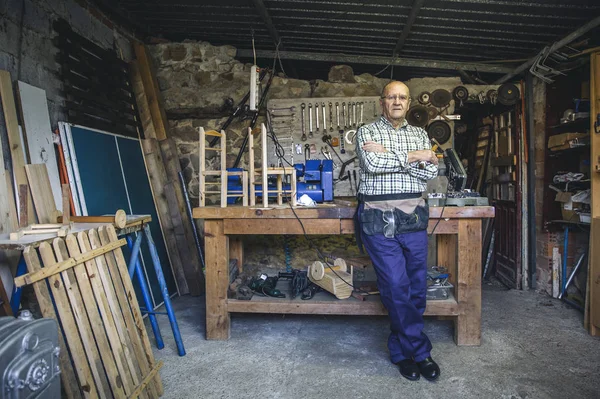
(82, 281)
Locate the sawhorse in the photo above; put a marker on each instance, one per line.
(138, 226)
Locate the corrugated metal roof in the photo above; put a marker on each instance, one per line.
(452, 30)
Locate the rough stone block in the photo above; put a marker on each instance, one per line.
(341, 74)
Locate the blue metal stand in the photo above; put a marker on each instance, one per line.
(136, 267)
(15, 299)
(163, 289)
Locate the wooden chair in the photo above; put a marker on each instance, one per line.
(222, 173)
(265, 172)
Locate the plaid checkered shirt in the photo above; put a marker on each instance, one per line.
(389, 172)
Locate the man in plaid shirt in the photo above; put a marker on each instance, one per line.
(396, 161)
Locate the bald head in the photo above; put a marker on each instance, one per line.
(395, 101)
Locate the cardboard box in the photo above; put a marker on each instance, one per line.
(563, 141)
(567, 206)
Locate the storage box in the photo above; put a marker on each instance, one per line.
(567, 206)
(564, 141)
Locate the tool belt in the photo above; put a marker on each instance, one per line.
(391, 222)
(392, 214)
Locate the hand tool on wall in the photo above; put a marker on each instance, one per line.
(240, 107)
(361, 113)
(303, 106)
(330, 117)
(306, 152)
(324, 117)
(343, 175)
(341, 131)
(355, 181)
(317, 116)
(354, 113)
(310, 132)
(337, 111)
(374, 109)
(349, 114)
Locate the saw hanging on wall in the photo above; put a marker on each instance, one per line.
(440, 131)
(417, 116)
(440, 98)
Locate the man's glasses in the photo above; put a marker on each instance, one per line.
(394, 98)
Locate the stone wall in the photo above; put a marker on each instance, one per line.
(196, 78)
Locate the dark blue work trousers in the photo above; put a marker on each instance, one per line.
(401, 266)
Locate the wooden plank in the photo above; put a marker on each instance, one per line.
(236, 251)
(14, 138)
(132, 338)
(37, 129)
(41, 190)
(153, 97)
(594, 268)
(80, 314)
(69, 325)
(42, 294)
(104, 307)
(147, 380)
(184, 276)
(328, 211)
(91, 307)
(8, 216)
(119, 307)
(218, 321)
(275, 226)
(108, 234)
(66, 204)
(371, 306)
(467, 327)
(23, 211)
(69, 263)
(446, 254)
(172, 164)
(142, 101)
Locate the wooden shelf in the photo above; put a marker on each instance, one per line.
(325, 303)
(583, 123)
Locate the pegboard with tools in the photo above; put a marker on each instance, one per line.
(322, 128)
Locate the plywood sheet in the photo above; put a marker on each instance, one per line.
(36, 121)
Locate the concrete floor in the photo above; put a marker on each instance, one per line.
(532, 347)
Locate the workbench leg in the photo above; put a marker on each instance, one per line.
(467, 326)
(236, 251)
(15, 299)
(163, 289)
(135, 267)
(446, 254)
(565, 255)
(216, 250)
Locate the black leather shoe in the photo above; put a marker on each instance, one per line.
(409, 369)
(429, 369)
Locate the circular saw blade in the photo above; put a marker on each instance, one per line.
(440, 98)
(417, 116)
(508, 94)
(460, 93)
(432, 112)
(440, 131)
(424, 97)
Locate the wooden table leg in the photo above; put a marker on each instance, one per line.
(217, 279)
(467, 326)
(446, 254)
(236, 251)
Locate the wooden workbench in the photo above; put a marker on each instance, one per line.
(458, 245)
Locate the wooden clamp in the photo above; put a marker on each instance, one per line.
(33, 277)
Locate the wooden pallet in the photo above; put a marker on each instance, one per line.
(105, 350)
